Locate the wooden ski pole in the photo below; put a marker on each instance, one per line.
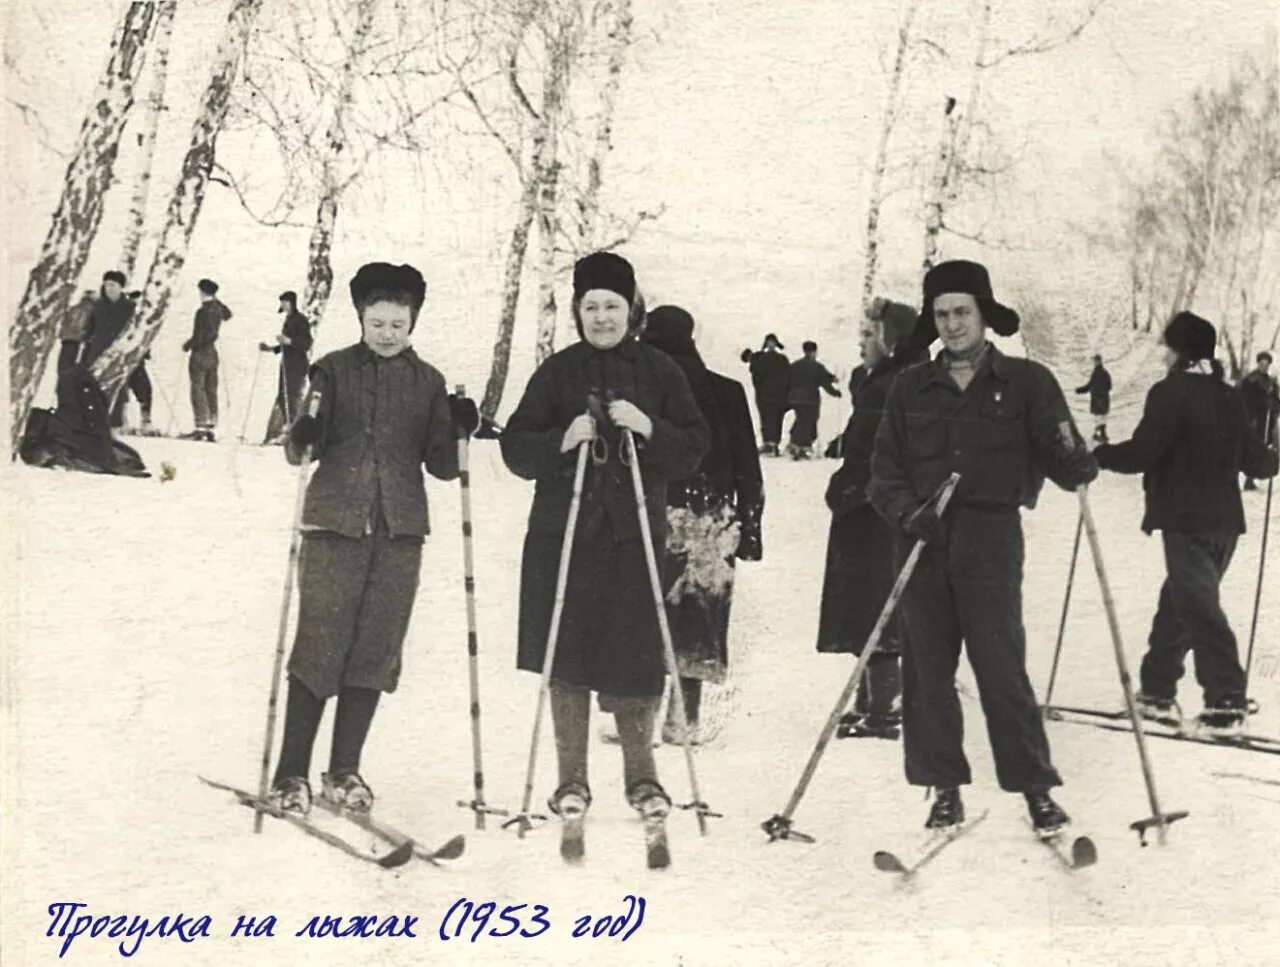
(779, 826)
(1066, 606)
(699, 806)
(523, 821)
(1262, 564)
(248, 406)
(477, 803)
(1158, 819)
(295, 549)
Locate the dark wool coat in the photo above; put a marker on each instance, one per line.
(860, 568)
(609, 638)
(106, 322)
(770, 375)
(383, 419)
(208, 320)
(1260, 394)
(805, 378)
(1190, 444)
(1099, 390)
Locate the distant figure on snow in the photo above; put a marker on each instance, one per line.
(1192, 440)
(1099, 390)
(202, 364)
(806, 377)
(770, 371)
(293, 346)
(713, 518)
(1261, 398)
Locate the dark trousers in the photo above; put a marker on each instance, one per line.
(804, 429)
(202, 367)
(140, 386)
(68, 355)
(1189, 618)
(771, 414)
(970, 591)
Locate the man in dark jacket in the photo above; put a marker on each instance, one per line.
(995, 421)
(806, 378)
(770, 371)
(202, 364)
(1192, 440)
(1261, 399)
(293, 346)
(1099, 390)
(111, 313)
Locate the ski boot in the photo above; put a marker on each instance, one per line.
(291, 795)
(672, 734)
(1162, 711)
(1225, 720)
(876, 725)
(1047, 817)
(947, 811)
(1249, 484)
(847, 724)
(570, 802)
(347, 790)
(649, 799)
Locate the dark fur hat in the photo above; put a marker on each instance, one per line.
(115, 275)
(604, 270)
(897, 321)
(403, 283)
(1190, 336)
(960, 275)
(290, 297)
(207, 286)
(670, 329)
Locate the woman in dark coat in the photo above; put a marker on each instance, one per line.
(609, 638)
(713, 518)
(860, 571)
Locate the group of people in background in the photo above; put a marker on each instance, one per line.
(100, 316)
(782, 386)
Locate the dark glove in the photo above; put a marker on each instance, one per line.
(465, 416)
(750, 542)
(924, 524)
(266, 347)
(746, 356)
(306, 432)
(1080, 467)
(186, 346)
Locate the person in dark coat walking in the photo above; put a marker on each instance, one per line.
(1099, 390)
(713, 518)
(1261, 396)
(770, 376)
(996, 422)
(202, 364)
(806, 377)
(1194, 437)
(860, 569)
(293, 346)
(382, 415)
(609, 638)
(75, 330)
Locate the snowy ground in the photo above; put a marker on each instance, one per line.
(145, 627)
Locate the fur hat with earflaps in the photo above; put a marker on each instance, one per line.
(961, 275)
(1190, 336)
(897, 321)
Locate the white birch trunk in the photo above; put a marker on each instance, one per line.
(938, 187)
(89, 176)
(510, 300)
(620, 37)
(123, 356)
(159, 56)
(546, 174)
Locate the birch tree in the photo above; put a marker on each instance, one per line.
(90, 174)
(159, 64)
(113, 367)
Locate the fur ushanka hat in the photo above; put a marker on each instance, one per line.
(404, 282)
(960, 275)
(604, 270)
(897, 321)
(1190, 336)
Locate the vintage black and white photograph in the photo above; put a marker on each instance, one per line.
(683, 482)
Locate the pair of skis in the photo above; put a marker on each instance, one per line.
(403, 848)
(573, 841)
(1075, 854)
(1119, 722)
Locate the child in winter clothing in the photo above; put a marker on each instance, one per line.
(374, 415)
(609, 639)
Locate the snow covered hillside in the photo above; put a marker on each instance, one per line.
(145, 620)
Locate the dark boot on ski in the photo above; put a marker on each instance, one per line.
(347, 790)
(649, 799)
(1249, 484)
(1047, 817)
(291, 794)
(1225, 718)
(874, 725)
(571, 800)
(947, 812)
(1154, 708)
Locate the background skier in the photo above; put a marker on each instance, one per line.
(1099, 389)
(1261, 397)
(202, 364)
(770, 371)
(860, 568)
(609, 639)
(714, 517)
(111, 313)
(806, 377)
(1192, 440)
(995, 421)
(384, 413)
(293, 346)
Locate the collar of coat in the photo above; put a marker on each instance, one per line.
(998, 363)
(367, 355)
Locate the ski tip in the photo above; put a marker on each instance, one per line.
(452, 849)
(398, 856)
(886, 862)
(1083, 852)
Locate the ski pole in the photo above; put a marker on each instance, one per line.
(295, 548)
(1262, 564)
(1066, 605)
(248, 409)
(700, 808)
(523, 821)
(477, 804)
(779, 825)
(1157, 818)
